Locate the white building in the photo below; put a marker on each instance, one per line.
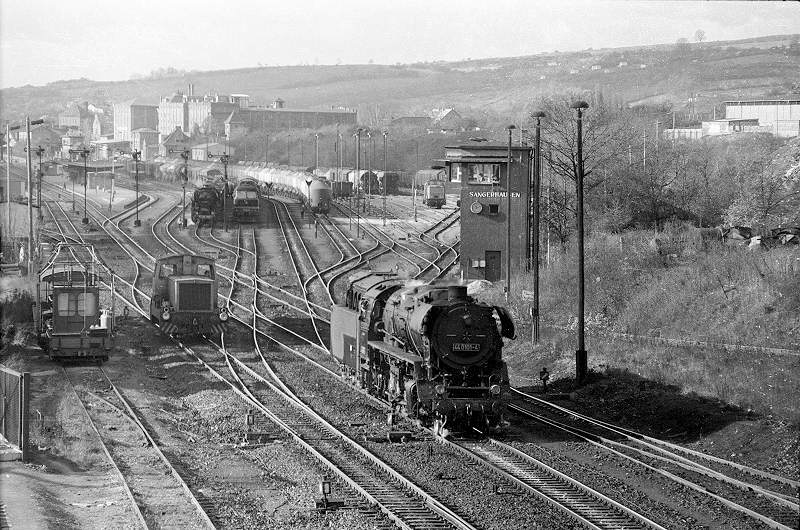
(781, 117)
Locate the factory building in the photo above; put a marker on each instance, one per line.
(132, 115)
(195, 113)
(781, 117)
(482, 171)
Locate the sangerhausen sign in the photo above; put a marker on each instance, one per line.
(493, 194)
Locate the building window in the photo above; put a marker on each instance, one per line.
(478, 263)
(494, 209)
(487, 174)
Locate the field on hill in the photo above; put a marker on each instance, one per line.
(494, 89)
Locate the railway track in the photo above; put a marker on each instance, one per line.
(159, 494)
(765, 497)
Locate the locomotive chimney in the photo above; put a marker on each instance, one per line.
(456, 293)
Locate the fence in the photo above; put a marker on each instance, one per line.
(15, 391)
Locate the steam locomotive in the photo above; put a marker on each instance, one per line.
(206, 205)
(430, 350)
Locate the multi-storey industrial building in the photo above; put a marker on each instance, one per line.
(132, 115)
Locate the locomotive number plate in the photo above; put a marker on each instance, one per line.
(466, 346)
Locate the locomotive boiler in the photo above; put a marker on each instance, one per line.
(431, 350)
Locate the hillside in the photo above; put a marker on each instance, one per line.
(485, 88)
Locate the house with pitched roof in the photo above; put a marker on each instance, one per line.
(174, 144)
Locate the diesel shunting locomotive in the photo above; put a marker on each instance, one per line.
(431, 350)
(184, 297)
(246, 200)
(70, 321)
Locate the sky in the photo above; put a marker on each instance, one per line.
(43, 41)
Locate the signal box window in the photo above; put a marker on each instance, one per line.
(488, 174)
(204, 269)
(494, 209)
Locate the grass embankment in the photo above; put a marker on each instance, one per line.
(673, 287)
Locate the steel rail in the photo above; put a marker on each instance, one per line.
(574, 498)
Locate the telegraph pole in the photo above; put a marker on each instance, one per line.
(266, 151)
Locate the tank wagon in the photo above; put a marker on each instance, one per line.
(288, 182)
(319, 196)
(70, 321)
(430, 350)
(389, 182)
(184, 297)
(433, 193)
(246, 200)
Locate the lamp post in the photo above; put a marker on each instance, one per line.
(508, 212)
(537, 179)
(581, 362)
(289, 149)
(383, 185)
(137, 155)
(266, 150)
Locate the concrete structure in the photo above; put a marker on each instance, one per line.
(482, 170)
(134, 114)
(781, 116)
